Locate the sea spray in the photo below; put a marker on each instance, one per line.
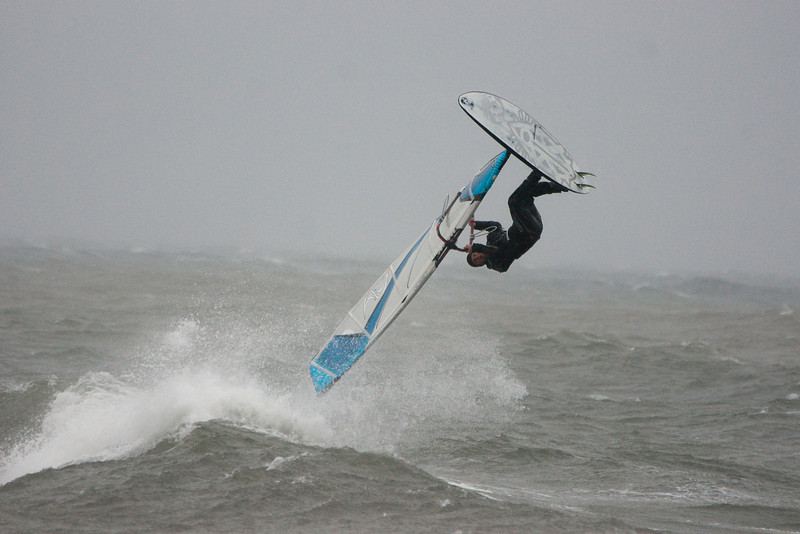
(104, 418)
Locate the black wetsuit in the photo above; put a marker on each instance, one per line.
(526, 229)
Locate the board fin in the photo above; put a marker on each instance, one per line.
(581, 185)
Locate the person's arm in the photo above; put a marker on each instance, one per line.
(485, 225)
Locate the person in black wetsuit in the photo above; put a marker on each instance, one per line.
(504, 247)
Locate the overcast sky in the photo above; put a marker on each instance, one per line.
(334, 126)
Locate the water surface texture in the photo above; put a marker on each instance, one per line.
(168, 392)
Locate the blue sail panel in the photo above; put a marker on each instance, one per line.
(321, 380)
(484, 180)
(339, 355)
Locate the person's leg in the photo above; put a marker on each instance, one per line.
(527, 225)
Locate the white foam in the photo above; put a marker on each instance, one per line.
(103, 418)
(483, 491)
(279, 461)
(200, 371)
(11, 386)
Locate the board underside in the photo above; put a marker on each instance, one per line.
(525, 137)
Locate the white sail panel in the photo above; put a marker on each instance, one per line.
(401, 281)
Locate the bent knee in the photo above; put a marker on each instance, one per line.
(533, 228)
(534, 235)
(518, 200)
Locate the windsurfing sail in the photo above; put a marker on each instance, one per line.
(400, 282)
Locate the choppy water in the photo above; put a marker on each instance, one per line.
(168, 393)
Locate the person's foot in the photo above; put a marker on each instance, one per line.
(534, 176)
(547, 188)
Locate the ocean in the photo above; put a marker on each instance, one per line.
(169, 392)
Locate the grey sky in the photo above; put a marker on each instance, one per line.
(334, 126)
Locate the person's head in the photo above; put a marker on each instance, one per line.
(476, 259)
(477, 255)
